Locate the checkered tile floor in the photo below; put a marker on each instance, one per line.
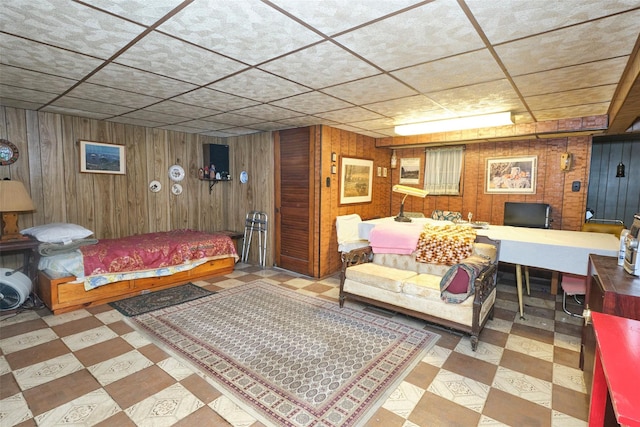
(88, 367)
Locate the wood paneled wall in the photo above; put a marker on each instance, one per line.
(120, 205)
(553, 186)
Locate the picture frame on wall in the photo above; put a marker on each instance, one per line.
(511, 175)
(100, 157)
(410, 171)
(356, 180)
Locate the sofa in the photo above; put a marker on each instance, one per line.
(459, 296)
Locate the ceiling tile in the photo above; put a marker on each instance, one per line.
(322, 65)
(575, 77)
(233, 119)
(374, 124)
(47, 59)
(483, 98)
(435, 30)
(258, 85)
(312, 103)
(136, 122)
(125, 78)
(196, 65)
(509, 20)
(142, 11)
(69, 25)
(408, 108)
(334, 16)
(452, 72)
(37, 97)
(268, 112)
(115, 96)
(181, 128)
(355, 114)
(303, 121)
(214, 99)
(205, 124)
(575, 111)
(239, 29)
(370, 90)
(90, 106)
(180, 109)
(154, 116)
(19, 103)
(33, 80)
(593, 41)
(75, 112)
(570, 97)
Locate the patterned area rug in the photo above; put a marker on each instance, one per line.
(145, 303)
(290, 359)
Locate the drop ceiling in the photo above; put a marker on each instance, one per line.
(234, 67)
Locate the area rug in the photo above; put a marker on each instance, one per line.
(290, 359)
(145, 303)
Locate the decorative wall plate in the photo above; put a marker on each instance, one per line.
(244, 177)
(176, 173)
(176, 189)
(155, 186)
(8, 152)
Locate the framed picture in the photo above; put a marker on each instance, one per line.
(98, 157)
(410, 171)
(507, 175)
(356, 180)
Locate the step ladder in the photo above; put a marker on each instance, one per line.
(255, 221)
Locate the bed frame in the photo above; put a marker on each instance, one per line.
(60, 296)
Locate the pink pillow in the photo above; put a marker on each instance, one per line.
(460, 282)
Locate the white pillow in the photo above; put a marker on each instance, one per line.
(59, 232)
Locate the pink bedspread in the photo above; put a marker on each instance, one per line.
(395, 238)
(154, 250)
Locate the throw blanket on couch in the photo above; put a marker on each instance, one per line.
(447, 245)
(458, 283)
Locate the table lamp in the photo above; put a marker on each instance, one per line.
(407, 191)
(13, 199)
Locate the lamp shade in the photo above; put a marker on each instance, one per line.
(14, 197)
(410, 191)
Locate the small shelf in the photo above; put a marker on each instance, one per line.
(214, 181)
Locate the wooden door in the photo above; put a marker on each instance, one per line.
(295, 205)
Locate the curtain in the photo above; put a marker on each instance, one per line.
(442, 170)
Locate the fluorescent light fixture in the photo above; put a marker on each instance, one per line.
(407, 191)
(461, 123)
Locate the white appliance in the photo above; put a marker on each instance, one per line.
(15, 288)
(631, 256)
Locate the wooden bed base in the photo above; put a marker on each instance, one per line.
(60, 296)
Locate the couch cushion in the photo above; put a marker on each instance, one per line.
(379, 276)
(423, 285)
(401, 262)
(485, 250)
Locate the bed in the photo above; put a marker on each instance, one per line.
(96, 272)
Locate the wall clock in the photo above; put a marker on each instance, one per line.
(176, 173)
(8, 152)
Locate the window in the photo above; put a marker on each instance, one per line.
(442, 170)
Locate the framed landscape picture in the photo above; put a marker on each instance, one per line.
(356, 180)
(410, 171)
(507, 175)
(98, 157)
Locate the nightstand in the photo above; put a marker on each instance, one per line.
(31, 256)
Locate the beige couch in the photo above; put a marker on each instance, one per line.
(402, 284)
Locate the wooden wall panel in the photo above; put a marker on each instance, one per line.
(121, 205)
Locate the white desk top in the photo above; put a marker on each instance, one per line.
(558, 250)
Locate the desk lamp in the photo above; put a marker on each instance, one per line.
(13, 199)
(407, 191)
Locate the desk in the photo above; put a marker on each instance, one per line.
(556, 250)
(616, 371)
